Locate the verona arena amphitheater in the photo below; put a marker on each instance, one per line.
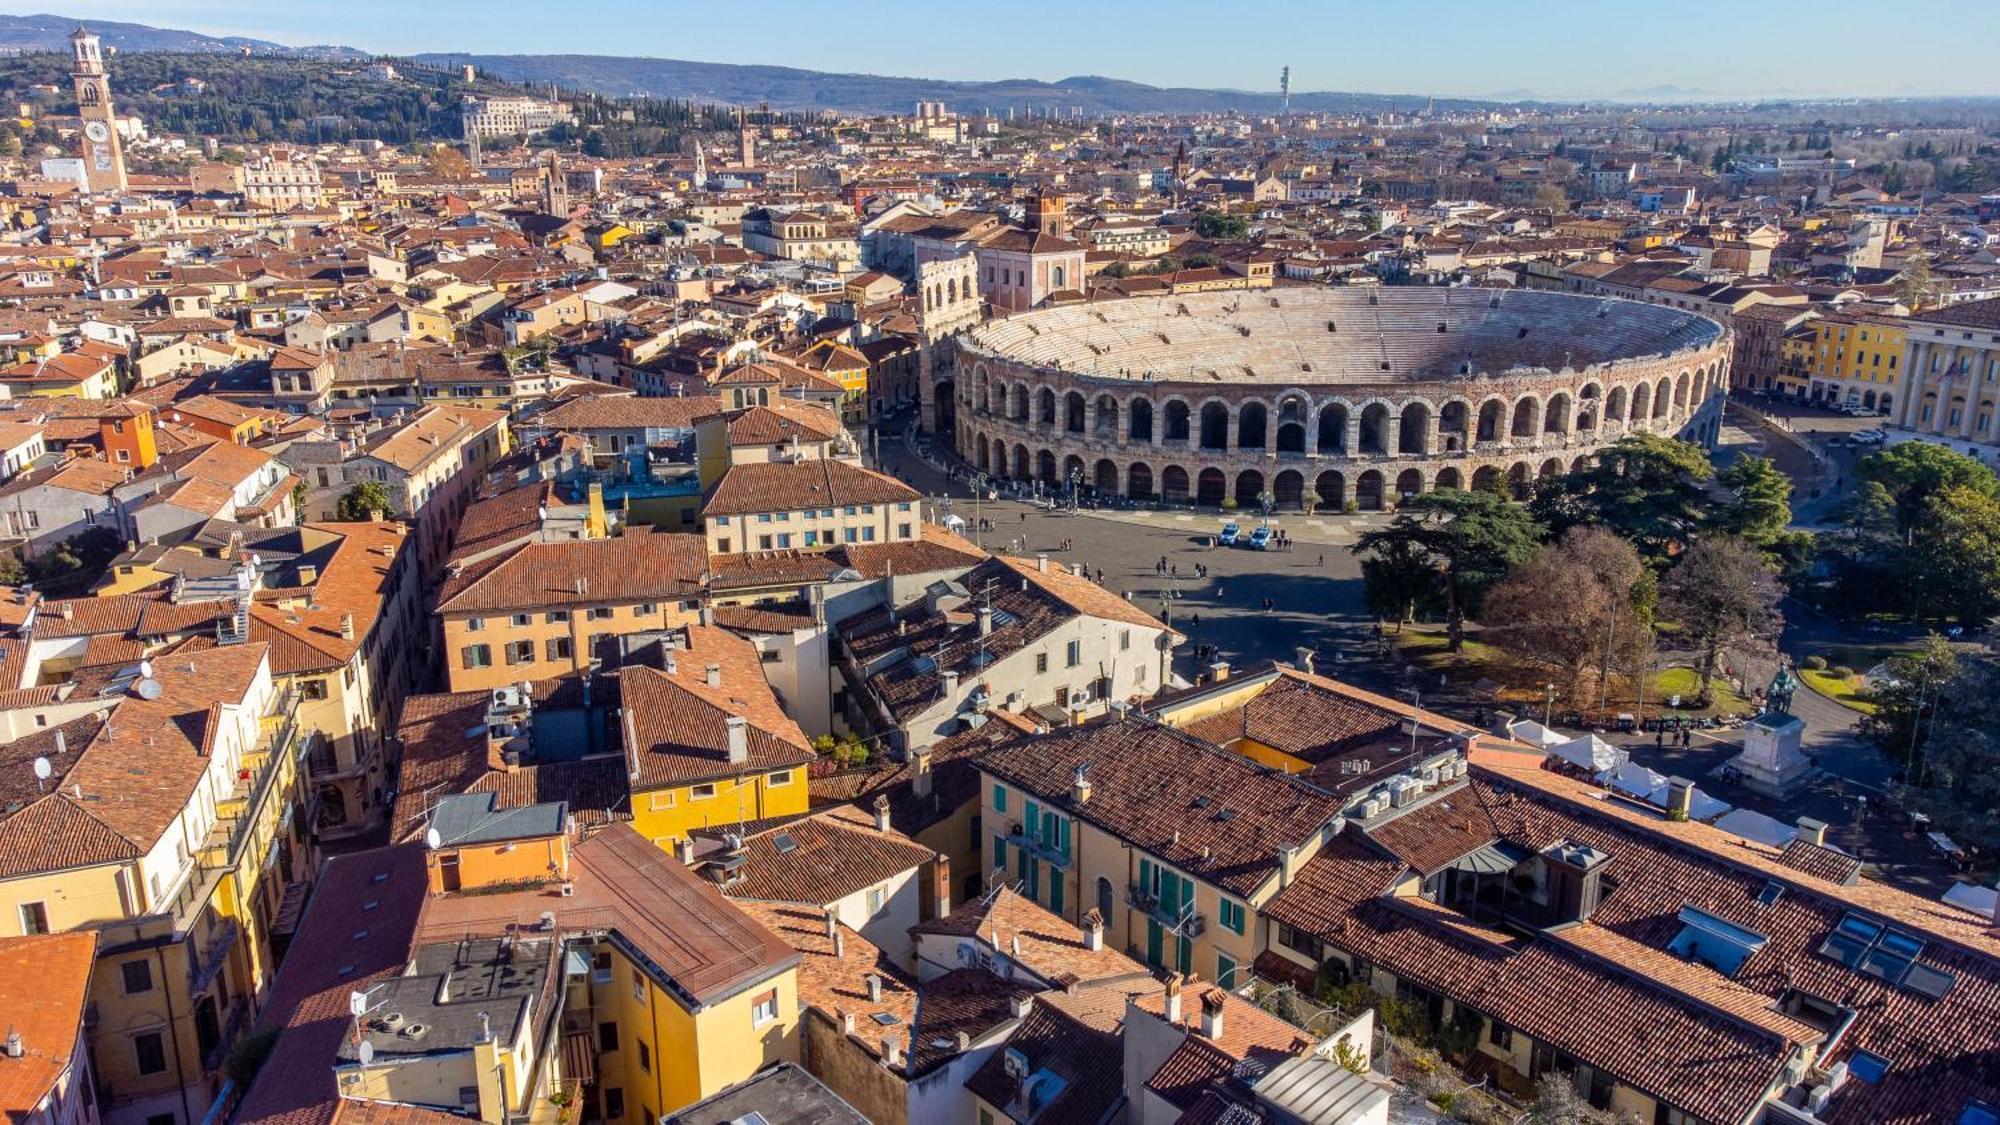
(1340, 397)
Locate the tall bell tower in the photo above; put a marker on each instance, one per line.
(103, 156)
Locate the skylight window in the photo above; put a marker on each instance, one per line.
(1979, 1113)
(1712, 941)
(784, 843)
(1867, 1066)
(1772, 892)
(1887, 953)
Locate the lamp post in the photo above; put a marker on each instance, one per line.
(1548, 703)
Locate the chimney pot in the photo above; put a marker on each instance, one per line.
(881, 812)
(1218, 671)
(1173, 1000)
(874, 982)
(1020, 1005)
(1680, 796)
(1211, 1014)
(712, 675)
(1303, 658)
(684, 851)
(738, 734)
(1042, 563)
(1812, 831)
(892, 1052)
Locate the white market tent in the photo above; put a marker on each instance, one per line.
(1973, 897)
(1535, 734)
(1591, 753)
(1753, 825)
(1635, 780)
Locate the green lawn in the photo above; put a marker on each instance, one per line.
(1844, 690)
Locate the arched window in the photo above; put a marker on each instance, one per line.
(1106, 898)
(1057, 277)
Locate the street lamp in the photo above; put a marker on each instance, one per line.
(1548, 703)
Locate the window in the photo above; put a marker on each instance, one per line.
(1867, 1066)
(1500, 1035)
(1041, 666)
(607, 1036)
(648, 609)
(556, 616)
(138, 976)
(150, 1052)
(782, 777)
(474, 624)
(601, 613)
(312, 689)
(600, 969)
(1225, 971)
(614, 1104)
(999, 797)
(1125, 640)
(902, 530)
(1299, 941)
(764, 1009)
(877, 899)
(763, 542)
(1073, 654)
(1231, 916)
(703, 791)
(722, 546)
(999, 852)
(558, 648)
(523, 620)
(520, 652)
(639, 990)
(722, 521)
(34, 918)
(645, 1056)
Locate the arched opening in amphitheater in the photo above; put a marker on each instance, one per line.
(1327, 397)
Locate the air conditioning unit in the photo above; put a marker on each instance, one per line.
(1015, 1063)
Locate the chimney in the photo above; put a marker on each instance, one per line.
(308, 574)
(1812, 831)
(346, 626)
(1093, 931)
(950, 684)
(1019, 1005)
(1042, 563)
(1076, 569)
(1173, 1001)
(892, 1051)
(921, 778)
(1680, 797)
(1302, 658)
(1288, 857)
(1211, 1014)
(881, 812)
(712, 675)
(707, 614)
(847, 1023)
(1014, 946)
(684, 851)
(962, 1043)
(14, 1048)
(1079, 787)
(874, 982)
(739, 739)
(1218, 671)
(940, 885)
(985, 620)
(832, 923)
(68, 611)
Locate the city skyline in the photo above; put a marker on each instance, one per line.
(1561, 49)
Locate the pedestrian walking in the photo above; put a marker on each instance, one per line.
(1322, 558)
(1194, 621)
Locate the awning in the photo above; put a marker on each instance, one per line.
(290, 908)
(1496, 858)
(579, 1057)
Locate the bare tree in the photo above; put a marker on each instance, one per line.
(1582, 603)
(1724, 597)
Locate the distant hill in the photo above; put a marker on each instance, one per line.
(792, 89)
(20, 34)
(781, 87)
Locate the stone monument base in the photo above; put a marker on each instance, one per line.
(1771, 764)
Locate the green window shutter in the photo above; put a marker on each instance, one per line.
(1022, 863)
(1146, 875)
(1031, 823)
(1055, 890)
(1154, 940)
(1225, 972)
(1000, 852)
(999, 797)
(1065, 839)
(1183, 954)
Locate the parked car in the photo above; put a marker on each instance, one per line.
(1260, 539)
(1856, 410)
(1230, 534)
(1868, 437)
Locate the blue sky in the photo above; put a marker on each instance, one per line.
(1464, 47)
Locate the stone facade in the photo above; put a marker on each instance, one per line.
(1378, 416)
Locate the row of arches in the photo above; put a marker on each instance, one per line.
(1295, 424)
(1287, 489)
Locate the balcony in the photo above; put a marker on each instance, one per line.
(209, 964)
(1018, 837)
(1188, 922)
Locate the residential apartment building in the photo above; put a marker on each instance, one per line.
(811, 504)
(45, 1072)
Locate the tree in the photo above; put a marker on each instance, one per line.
(1469, 540)
(1399, 582)
(360, 502)
(1759, 506)
(1953, 773)
(1907, 702)
(1551, 196)
(1911, 471)
(1723, 597)
(1220, 225)
(1558, 1103)
(1914, 285)
(1650, 490)
(1954, 556)
(1583, 601)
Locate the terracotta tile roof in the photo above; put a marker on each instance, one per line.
(822, 859)
(707, 946)
(1051, 946)
(1058, 1038)
(790, 486)
(678, 723)
(1609, 991)
(954, 780)
(433, 432)
(44, 981)
(627, 412)
(495, 522)
(1820, 861)
(1215, 815)
(835, 981)
(308, 1001)
(780, 423)
(972, 1001)
(637, 567)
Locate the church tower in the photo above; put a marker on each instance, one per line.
(746, 142)
(1048, 213)
(555, 188)
(103, 156)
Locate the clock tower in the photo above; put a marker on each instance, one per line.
(103, 157)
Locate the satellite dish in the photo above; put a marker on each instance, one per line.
(145, 668)
(149, 688)
(366, 1051)
(432, 840)
(43, 770)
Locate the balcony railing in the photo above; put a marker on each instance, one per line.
(1033, 845)
(209, 964)
(1188, 923)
